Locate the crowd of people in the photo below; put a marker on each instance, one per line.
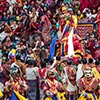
(42, 57)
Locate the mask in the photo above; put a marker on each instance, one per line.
(88, 73)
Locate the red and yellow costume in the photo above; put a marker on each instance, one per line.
(88, 85)
(52, 88)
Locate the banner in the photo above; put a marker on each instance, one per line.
(84, 28)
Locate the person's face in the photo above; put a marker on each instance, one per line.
(4, 48)
(14, 22)
(94, 11)
(48, 12)
(4, 13)
(30, 51)
(32, 2)
(26, 2)
(33, 10)
(64, 11)
(45, 9)
(79, 12)
(8, 38)
(89, 11)
(51, 75)
(71, 12)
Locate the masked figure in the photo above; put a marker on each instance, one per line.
(52, 88)
(87, 85)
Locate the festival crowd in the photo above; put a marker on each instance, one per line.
(42, 55)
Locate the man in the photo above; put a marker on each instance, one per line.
(69, 77)
(53, 89)
(88, 84)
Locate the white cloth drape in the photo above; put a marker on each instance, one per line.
(70, 43)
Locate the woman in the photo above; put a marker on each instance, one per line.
(32, 81)
(42, 73)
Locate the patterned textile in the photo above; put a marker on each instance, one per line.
(89, 87)
(33, 91)
(83, 28)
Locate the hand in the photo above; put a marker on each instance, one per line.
(95, 22)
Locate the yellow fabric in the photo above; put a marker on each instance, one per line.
(18, 18)
(58, 96)
(35, 56)
(20, 97)
(80, 17)
(13, 51)
(98, 98)
(1, 94)
(63, 8)
(75, 21)
(48, 98)
(96, 73)
(89, 95)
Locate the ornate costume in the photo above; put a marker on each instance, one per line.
(70, 77)
(52, 88)
(88, 85)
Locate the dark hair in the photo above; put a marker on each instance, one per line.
(41, 13)
(84, 61)
(96, 62)
(99, 57)
(32, 62)
(46, 60)
(18, 57)
(79, 61)
(69, 62)
(90, 60)
(51, 61)
(43, 64)
(58, 58)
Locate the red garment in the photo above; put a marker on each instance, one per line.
(98, 18)
(45, 20)
(98, 68)
(88, 4)
(2, 6)
(42, 72)
(84, 4)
